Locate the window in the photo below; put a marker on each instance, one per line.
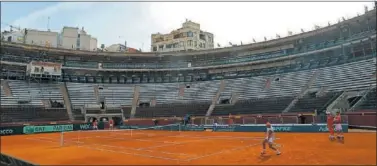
(202, 36)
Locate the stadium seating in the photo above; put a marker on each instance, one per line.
(343, 63)
(77, 115)
(81, 64)
(353, 75)
(254, 106)
(32, 113)
(171, 110)
(36, 94)
(369, 103)
(116, 95)
(126, 112)
(171, 92)
(81, 94)
(311, 102)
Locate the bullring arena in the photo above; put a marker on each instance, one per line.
(168, 147)
(194, 107)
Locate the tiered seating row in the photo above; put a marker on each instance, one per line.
(254, 106)
(178, 110)
(81, 94)
(30, 113)
(309, 103)
(369, 103)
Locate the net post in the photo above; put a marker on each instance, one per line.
(179, 128)
(78, 138)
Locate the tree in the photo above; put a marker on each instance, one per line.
(102, 46)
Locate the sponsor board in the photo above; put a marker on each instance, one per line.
(282, 129)
(86, 126)
(12, 130)
(6, 132)
(192, 128)
(277, 128)
(249, 128)
(323, 129)
(224, 128)
(46, 129)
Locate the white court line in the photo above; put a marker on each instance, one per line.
(209, 137)
(220, 152)
(120, 147)
(118, 138)
(86, 146)
(128, 138)
(136, 154)
(179, 135)
(203, 139)
(150, 156)
(220, 137)
(178, 143)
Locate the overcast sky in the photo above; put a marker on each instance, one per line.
(116, 22)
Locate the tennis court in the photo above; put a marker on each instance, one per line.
(184, 147)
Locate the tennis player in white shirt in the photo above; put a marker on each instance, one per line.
(270, 137)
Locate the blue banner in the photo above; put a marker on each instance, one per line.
(278, 128)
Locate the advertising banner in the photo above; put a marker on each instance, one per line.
(279, 128)
(11, 130)
(83, 126)
(47, 129)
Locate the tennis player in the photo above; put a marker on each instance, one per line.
(95, 125)
(111, 124)
(330, 125)
(270, 137)
(338, 127)
(215, 126)
(230, 120)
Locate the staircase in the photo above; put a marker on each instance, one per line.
(135, 100)
(67, 101)
(216, 98)
(364, 97)
(322, 91)
(303, 92)
(342, 97)
(234, 98)
(96, 93)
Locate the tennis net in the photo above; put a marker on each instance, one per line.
(97, 136)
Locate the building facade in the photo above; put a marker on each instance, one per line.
(13, 36)
(120, 48)
(69, 38)
(188, 37)
(41, 38)
(73, 38)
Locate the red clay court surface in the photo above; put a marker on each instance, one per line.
(189, 148)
